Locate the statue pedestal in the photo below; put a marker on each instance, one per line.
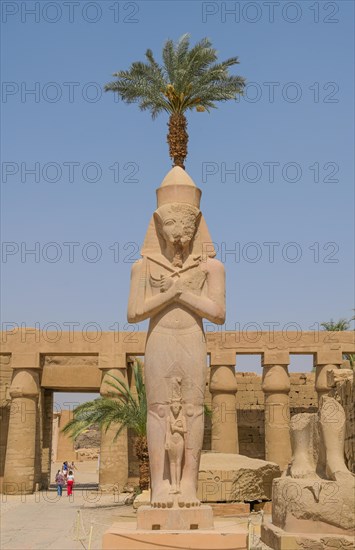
(174, 519)
(278, 539)
(314, 505)
(314, 514)
(176, 528)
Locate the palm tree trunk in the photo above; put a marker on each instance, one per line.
(177, 139)
(141, 448)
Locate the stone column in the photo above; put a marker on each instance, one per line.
(276, 388)
(5, 401)
(47, 430)
(325, 360)
(22, 456)
(223, 387)
(55, 436)
(113, 470)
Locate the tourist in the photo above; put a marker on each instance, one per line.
(70, 483)
(65, 469)
(60, 481)
(72, 466)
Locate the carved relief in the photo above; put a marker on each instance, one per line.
(175, 436)
(71, 360)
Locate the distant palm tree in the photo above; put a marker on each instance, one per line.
(123, 408)
(188, 79)
(341, 324)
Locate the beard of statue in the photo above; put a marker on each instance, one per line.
(178, 254)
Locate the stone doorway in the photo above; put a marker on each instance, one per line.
(84, 451)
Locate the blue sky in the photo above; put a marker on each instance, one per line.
(99, 161)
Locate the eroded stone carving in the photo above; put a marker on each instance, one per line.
(71, 360)
(317, 493)
(326, 543)
(176, 284)
(175, 436)
(305, 441)
(318, 443)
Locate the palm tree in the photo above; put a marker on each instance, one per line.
(123, 408)
(341, 324)
(188, 79)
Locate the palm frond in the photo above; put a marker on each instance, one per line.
(342, 324)
(187, 78)
(168, 55)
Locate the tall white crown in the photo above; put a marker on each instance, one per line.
(177, 186)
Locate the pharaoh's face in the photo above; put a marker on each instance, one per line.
(175, 407)
(178, 223)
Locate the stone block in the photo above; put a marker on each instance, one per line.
(29, 360)
(328, 357)
(225, 509)
(338, 375)
(235, 478)
(314, 505)
(278, 539)
(224, 536)
(108, 361)
(175, 519)
(223, 357)
(276, 357)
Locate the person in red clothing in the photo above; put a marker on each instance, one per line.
(70, 483)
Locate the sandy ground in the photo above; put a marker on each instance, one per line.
(45, 521)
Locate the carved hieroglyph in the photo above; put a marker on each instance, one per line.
(176, 284)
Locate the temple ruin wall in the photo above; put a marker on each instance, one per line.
(250, 413)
